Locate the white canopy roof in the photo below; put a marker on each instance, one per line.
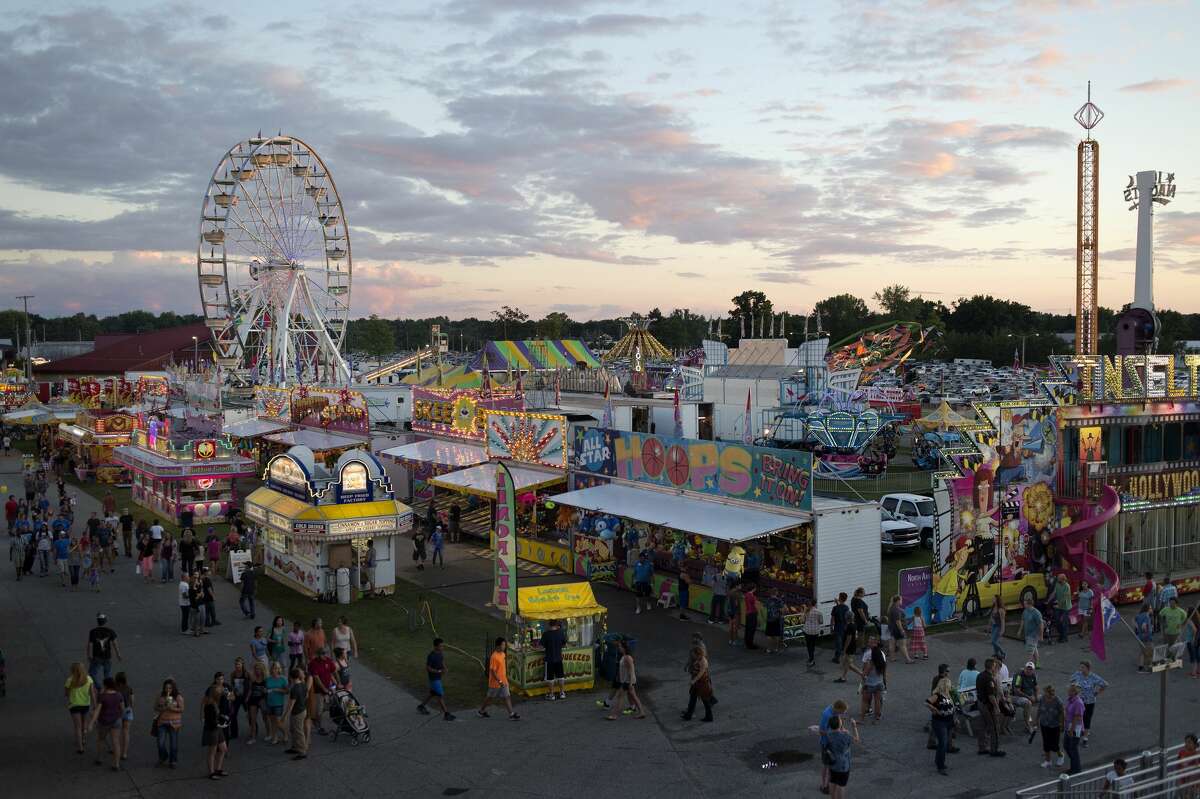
(438, 453)
(481, 479)
(706, 517)
(316, 440)
(249, 428)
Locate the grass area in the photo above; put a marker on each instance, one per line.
(394, 646)
(891, 564)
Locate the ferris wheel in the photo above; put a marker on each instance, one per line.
(274, 264)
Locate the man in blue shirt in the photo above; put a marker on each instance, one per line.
(838, 709)
(62, 546)
(437, 541)
(643, 578)
(1032, 627)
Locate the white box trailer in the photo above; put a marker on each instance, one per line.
(846, 552)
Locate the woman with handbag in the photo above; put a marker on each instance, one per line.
(700, 686)
(941, 708)
(168, 718)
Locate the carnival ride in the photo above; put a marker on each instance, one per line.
(274, 264)
(877, 348)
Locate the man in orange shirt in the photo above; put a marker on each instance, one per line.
(314, 640)
(498, 681)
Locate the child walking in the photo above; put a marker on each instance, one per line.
(917, 643)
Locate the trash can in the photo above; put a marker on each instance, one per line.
(343, 586)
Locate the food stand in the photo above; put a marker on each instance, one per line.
(713, 509)
(316, 521)
(583, 622)
(94, 436)
(171, 475)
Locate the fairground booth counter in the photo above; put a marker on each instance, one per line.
(583, 622)
(173, 473)
(93, 438)
(714, 510)
(317, 521)
(452, 419)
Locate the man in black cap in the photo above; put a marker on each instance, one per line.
(100, 648)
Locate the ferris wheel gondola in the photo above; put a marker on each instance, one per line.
(274, 264)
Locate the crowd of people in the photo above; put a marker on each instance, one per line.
(283, 690)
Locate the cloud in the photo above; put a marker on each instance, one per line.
(690, 275)
(531, 30)
(1158, 85)
(781, 277)
(995, 215)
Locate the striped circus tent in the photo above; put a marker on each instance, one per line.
(534, 355)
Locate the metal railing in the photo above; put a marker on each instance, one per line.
(875, 487)
(1142, 772)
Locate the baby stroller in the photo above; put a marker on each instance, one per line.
(348, 717)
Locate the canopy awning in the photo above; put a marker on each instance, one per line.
(557, 601)
(329, 522)
(316, 440)
(40, 414)
(941, 419)
(706, 517)
(481, 480)
(249, 428)
(438, 453)
(272, 500)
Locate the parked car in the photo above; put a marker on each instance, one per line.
(897, 534)
(915, 508)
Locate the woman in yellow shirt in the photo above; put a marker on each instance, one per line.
(81, 695)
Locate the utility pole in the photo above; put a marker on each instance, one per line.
(25, 298)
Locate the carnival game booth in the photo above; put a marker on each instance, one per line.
(247, 435)
(714, 510)
(428, 458)
(172, 475)
(479, 483)
(318, 521)
(326, 447)
(93, 437)
(583, 622)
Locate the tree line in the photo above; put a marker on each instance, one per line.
(979, 326)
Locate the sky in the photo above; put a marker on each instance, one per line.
(602, 157)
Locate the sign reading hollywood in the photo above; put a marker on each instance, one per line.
(1105, 378)
(1159, 486)
(778, 477)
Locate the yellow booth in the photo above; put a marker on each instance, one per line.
(583, 621)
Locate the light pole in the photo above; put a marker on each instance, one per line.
(25, 298)
(195, 354)
(1023, 337)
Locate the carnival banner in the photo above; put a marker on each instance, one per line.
(527, 437)
(778, 477)
(504, 578)
(336, 410)
(459, 412)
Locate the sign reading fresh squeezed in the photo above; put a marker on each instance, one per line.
(782, 478)
(504, 578)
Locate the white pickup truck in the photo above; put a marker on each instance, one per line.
(915, 508)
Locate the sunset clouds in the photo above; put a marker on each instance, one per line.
(637, 154)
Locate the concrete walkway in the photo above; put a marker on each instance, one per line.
(558, 749)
